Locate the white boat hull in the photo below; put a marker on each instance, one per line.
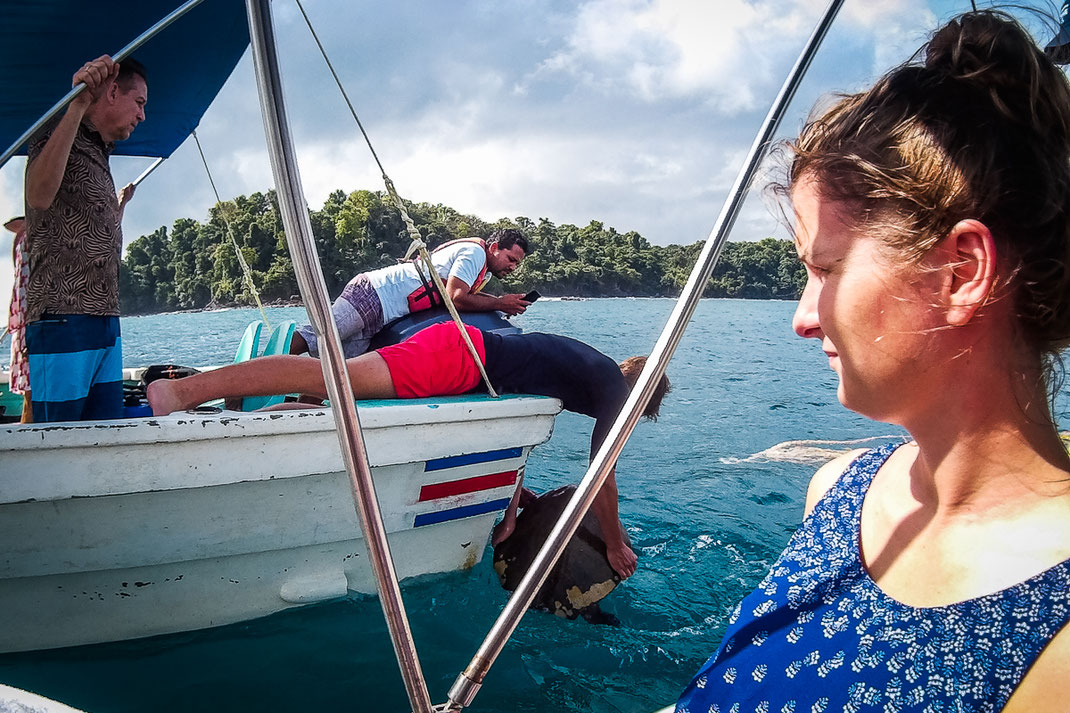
(123, 529)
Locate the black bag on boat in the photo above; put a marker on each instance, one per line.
(581, 577)
(166, 371)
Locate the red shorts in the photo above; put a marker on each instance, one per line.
(434, 362)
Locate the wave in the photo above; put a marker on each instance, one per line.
(810, 452)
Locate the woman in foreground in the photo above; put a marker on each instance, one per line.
(932, 214)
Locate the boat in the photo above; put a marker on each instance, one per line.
(119, 530)
(113, 530)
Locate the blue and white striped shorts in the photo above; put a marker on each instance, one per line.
(76, 367)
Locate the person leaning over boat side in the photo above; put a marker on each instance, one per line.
(373, 299)
(436, 362)
(16, 317)
(932, 214)
(75, 244)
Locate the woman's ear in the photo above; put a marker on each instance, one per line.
(971, 251)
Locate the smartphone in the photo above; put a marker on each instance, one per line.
(531, 296)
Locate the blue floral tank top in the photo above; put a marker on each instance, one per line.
(819, 635)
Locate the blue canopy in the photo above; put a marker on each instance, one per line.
(43, 42)
(1059, 47)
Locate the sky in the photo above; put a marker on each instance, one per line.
(635, 113)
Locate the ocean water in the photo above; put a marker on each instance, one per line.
(709, 494)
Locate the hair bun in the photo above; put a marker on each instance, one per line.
(980, 45)
(987, 51)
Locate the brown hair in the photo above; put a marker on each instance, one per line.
(631, 367)
(977, 125)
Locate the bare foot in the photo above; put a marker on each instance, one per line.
(162, 397)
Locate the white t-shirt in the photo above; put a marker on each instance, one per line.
(394, 284)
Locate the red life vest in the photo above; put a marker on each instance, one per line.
(426, 295)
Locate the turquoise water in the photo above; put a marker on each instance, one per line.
(707, 504)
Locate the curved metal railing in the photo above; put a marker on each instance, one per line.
(471, 679)
(302, 247)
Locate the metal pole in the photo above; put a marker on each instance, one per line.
(336, 377)
(147, 171)
(468, 683)
(118, 57)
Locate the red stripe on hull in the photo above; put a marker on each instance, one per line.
(467, 485)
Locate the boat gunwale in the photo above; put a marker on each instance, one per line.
(258, 446)
(190, 426)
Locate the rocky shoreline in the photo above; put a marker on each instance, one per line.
(214, 306)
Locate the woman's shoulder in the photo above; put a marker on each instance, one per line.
(829, 474)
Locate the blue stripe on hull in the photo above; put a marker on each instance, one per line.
(431, 518)
(455, 461)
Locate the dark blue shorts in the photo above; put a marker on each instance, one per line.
(76, 367)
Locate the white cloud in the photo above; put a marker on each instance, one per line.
(726, 53)
(880, 15)
(656, 186)
(894, 28)
(11, 188)
(729, 55)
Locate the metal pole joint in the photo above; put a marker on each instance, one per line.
(463, 692)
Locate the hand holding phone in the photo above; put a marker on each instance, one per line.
(531, 296)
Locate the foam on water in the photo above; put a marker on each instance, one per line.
(810, 452)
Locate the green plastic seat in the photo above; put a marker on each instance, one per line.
(250, 342)
(281, 336)
(278, 343)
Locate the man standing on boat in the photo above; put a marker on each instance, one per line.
(16, 318)
(373, 299)
(75, 245)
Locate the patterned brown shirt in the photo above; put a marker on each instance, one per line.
(75, 245)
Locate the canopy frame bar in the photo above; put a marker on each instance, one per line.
(302, 246)
(145, 174)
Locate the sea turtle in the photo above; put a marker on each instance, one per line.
(581, 577)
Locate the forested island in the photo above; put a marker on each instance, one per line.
(195, 265)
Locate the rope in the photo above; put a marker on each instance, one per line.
(223, 208)
(417, 245)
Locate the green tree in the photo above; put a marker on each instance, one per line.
(196, 263)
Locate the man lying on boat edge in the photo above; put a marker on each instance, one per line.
(435, 362)
(375, 298)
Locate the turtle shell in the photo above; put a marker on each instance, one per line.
(582, 576)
